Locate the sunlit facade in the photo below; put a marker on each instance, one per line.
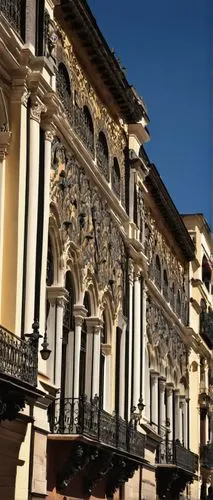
(101, 352)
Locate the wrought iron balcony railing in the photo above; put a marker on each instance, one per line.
(206, 456)
(79, 416)
(18, 358)
(172, 452)
(14, 11)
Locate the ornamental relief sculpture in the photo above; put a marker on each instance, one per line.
(155, 244)
(164, 336)
(86, 223)
(86, 95)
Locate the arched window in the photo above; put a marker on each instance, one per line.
(83, 350)
(165, 285)
(102, 362)
(50, 265)
(206, 273)
(172, 296)
(63, 88)
(158, 272)
(68, 326)
(178, 304)
(68, 320)
(102, 155)
(116, 178)
(88, 129)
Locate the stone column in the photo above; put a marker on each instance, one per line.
(34, 147)
(143, 314)
(94, 328)
(185, 419)
(122, 373)
(79, 313)
(4, 143)
(181, 419)
(137, 340)
(106, 350)
(154, 398)
(130, 381)
(47, 166)
(169, 404)
(162, 422)
(177, 415)
(57, 295)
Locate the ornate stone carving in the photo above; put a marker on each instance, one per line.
(155, 244)
(86, 95)
(50, 36)
(164, 336)
(88, 224)
(36, 109)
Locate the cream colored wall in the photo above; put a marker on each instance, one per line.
(14, 221)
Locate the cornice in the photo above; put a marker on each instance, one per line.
(79, 20)
(169, 212)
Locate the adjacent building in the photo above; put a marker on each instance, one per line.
(105, 292)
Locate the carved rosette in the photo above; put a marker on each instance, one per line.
(87, 224)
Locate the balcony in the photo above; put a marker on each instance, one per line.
(14, 11)
(18, 373)
(206, 456)
(176, 466)
(172, 452)
(78, 416)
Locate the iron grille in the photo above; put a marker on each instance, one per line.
(173, 452)
(80, 416)
(14, 11)
(18, 358)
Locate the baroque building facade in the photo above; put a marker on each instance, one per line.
(101, 356)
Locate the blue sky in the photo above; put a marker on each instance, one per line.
(167, 49)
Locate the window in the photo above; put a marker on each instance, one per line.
(83, 350)
(157, 275)
(102, 362)
(63, 87)
(165, 285)
(206, 273)
(178, 304)
(116, 178)
(88, 129)
(102, 155)
(50, 265)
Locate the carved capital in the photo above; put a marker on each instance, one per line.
(57, 295)
(79, 313)
(36, 109)
(131, 271)
(25, 96)
(106, 349)
(162, 384)
(94, 325)
(169, 389)
(4, 143)
(154, 376)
